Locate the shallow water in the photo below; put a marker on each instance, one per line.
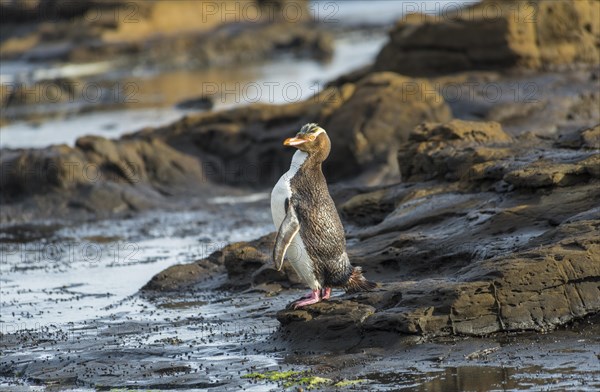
(74, 273)
(147, 97)
(377, 12)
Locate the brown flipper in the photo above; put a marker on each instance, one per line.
(358, 282)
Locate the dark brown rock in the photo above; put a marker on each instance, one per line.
(494, 34)
(247, 264)
(586, 138)
(251, 264)
(183, 276)
(368, 128)
(100, 177)
(544, 173)
(242, 259)
(36, 10)
(591, 138)
(342, 321)
(450, 150)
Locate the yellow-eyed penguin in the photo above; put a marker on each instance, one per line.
(309, 228)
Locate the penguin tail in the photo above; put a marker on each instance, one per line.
(358, 282)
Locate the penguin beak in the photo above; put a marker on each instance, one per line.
(294, 141)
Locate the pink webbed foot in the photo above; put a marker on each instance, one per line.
(312, 298)
(326, 293)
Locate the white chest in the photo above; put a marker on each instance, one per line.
(283, 190)
(296, 254)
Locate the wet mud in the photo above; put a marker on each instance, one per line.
(100, 334)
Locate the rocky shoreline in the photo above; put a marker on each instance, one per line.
(487, 234)
(470, 229)
(368, 121)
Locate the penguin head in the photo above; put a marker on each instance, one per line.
(311, 139)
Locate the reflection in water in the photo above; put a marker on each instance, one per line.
(480, 379)
(470, 379)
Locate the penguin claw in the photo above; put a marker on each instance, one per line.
(309, 299)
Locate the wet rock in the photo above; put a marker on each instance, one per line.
(98, 176)
(201, 103)
(343, 320)
(247, 264)
(586, 138)
(183, 276)
(516, 34)
(438, 150)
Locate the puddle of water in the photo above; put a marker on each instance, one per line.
(67, 130)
